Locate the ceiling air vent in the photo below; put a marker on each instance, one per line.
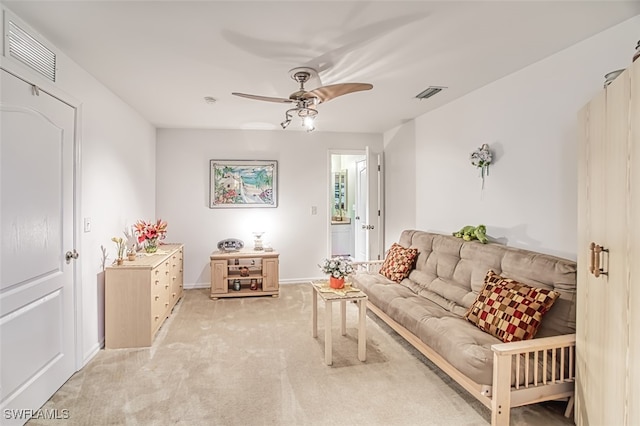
(429, 92)
(31, 52)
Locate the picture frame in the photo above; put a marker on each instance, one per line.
(243, 183)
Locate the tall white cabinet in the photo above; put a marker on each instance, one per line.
(608, 309)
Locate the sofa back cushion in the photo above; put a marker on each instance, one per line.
(450, 271)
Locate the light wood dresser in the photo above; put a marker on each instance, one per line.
(140, 295)
(244, 268)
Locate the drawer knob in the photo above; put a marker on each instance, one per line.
(157, 297)
(166, 286)
(157, 317)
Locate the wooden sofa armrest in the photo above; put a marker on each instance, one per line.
(554, 378)
(531, 345)
(367, 266)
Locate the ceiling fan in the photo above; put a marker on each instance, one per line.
(306, 100)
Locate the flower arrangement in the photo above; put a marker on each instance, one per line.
(481, 158)
(337, 267)
(149, 233)
(120, 244)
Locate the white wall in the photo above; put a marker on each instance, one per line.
(402, 181)
(117, 179)
(529, 120)
(303, 163)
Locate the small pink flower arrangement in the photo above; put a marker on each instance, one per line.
(151, 231)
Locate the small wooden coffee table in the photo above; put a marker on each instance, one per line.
(329, 295)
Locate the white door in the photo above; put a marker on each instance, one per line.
(37, 316)
(361, 211)
(369, 212)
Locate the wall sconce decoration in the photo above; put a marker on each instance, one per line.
(481, 158)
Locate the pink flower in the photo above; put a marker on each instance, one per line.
(149, 231)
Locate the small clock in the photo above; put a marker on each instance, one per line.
(230, 244)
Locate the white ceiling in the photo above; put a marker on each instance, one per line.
(164, 57)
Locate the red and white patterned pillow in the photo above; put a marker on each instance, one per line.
(509, 310)
(399, 262)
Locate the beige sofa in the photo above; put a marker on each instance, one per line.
(427, 308)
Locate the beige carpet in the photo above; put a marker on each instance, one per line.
(252, 361)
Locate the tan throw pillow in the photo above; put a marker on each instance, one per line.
(399, 262)
(510, 310)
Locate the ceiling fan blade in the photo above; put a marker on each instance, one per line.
(263, 98)
(326, 93)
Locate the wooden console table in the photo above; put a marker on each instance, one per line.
(250, 268)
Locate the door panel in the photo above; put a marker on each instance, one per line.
(616, 232)
(361, 220)
(606, 386)
(633, 321)
(375, 224)
(37, 316)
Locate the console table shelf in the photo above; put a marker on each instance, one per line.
(247, 266)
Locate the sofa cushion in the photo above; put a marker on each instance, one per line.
(398, 262)
(508, 309)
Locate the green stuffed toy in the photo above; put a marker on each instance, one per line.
(469, 233)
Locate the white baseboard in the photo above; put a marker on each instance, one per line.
(92, 352)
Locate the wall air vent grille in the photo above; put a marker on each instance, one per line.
(31, 52)
(429, 92)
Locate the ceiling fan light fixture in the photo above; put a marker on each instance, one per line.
(308, 123)
(305, 101)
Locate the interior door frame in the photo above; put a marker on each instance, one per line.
(25, 74)
(329, 186)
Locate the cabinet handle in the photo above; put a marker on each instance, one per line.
(596, 257)
(166, 304)
(157, 282)
(157, 317)
(166, 286)
(157, 297)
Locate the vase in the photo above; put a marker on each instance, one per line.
(336, 283)
(151, 245)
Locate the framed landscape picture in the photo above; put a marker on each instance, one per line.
(243, 183)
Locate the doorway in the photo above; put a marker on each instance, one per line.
(355, 200)
(345, 200)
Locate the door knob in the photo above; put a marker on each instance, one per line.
(71, 255)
